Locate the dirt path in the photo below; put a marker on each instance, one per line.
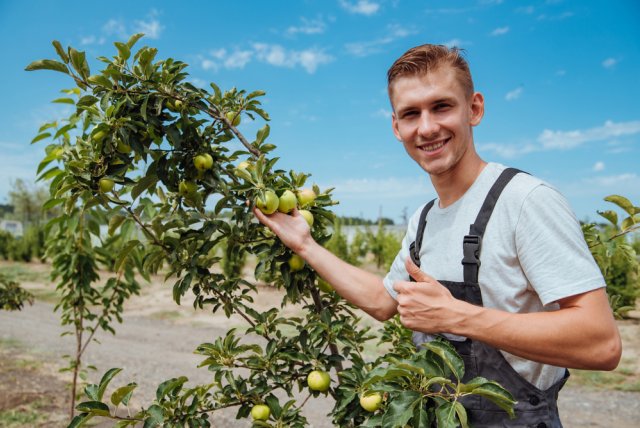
(156, 342)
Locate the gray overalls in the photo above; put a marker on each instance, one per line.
(535, 408)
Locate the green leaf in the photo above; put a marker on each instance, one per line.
(124, 253)
(63, 55)
(40, 137)
(622, 202)
(122, 393)
(115, 222)
(612, 216)
(79, 62)
(498, 395)
(87, 101)
(450, 357)
(156, 417)
(133, 39)
(100, 80)
(123, 50)
(95, 408)
(628, 222)
(91, 391)
(104, 382)
(401, 408)
(79, 420)
(143, 184)
(462, 414)
(47, 64)
(262, 134)
(446, 415)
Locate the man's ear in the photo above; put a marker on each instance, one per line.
(394, 126)
(477, 108)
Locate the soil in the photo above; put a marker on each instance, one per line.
(156, 341)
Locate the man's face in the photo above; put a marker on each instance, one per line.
(433, 118)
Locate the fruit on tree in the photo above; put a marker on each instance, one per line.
(306, 197)
(318, 380)
(187, 188)
(287, 202)
(244, 165)
(260, 412)
(203, 162)
(106, 184)
(371, 401)
(122, 147)
(307, 216)
(268, 202)
(233, 117)
(99, 136)
(324, 286)
(296, 263)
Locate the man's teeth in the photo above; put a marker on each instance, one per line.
(432, 147)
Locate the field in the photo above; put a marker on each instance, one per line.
(157, 339)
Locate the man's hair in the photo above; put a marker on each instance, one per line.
(423, 59)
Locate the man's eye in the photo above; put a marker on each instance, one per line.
(409, 114)
(442, 106)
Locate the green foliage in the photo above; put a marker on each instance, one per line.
(138, 124)
(23, 248)
(339, 245)
(384, 245)
(615, 255)
(12, 296)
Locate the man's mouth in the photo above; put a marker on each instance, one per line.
(432, 147)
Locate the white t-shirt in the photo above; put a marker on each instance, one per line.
(533, 253)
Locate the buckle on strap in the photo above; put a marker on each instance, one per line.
(471, 250)
(415, 258)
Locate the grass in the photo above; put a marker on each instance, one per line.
(625, 378)
(22, 416)
(21, 272)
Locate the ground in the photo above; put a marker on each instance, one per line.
(156, 342)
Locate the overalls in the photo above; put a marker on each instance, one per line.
(535, 408)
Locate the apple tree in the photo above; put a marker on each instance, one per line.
(147, 151)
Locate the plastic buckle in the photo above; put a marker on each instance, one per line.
(471, 250)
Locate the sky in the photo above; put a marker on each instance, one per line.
(559, 78)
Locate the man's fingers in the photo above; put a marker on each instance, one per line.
(415, 272)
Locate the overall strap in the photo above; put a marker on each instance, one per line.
(472, 242)
(414, 248)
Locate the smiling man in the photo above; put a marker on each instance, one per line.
(496, 263)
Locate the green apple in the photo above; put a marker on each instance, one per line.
(324, 286)
(260, 412)
(371, 401)
(233, 117)
(122, 147)
(106, 184)
(269, 203)
(296, 263)
(318, 380)
(187, 188)
(307, 216)
(203, 162)
(287, 202)
(306, 197)
(99, 136)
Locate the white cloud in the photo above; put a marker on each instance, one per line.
(308, 26)
(278, 56)
(500, 31)
(613, 180)
(609, 63)
(513, 95)
(383, 112)
(564, 140)
(238, 59)
(394, 32)
(570, 139)
(598, 166)
(115, 27)
(360, 7)
(151, 29)
(382, 188)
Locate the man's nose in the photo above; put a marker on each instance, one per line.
(428, 126)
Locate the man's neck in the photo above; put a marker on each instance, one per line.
(453, 184)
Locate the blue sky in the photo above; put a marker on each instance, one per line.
(560, 80)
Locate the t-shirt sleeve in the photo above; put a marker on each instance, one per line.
(552, 249)
(398, 272)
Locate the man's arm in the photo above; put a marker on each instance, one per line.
(582, 334)
(359, 287)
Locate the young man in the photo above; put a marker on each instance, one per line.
(527, 299)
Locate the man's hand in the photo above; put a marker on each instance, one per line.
(292, 230)
(425, 305)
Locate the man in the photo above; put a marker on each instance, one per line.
(527, 299)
